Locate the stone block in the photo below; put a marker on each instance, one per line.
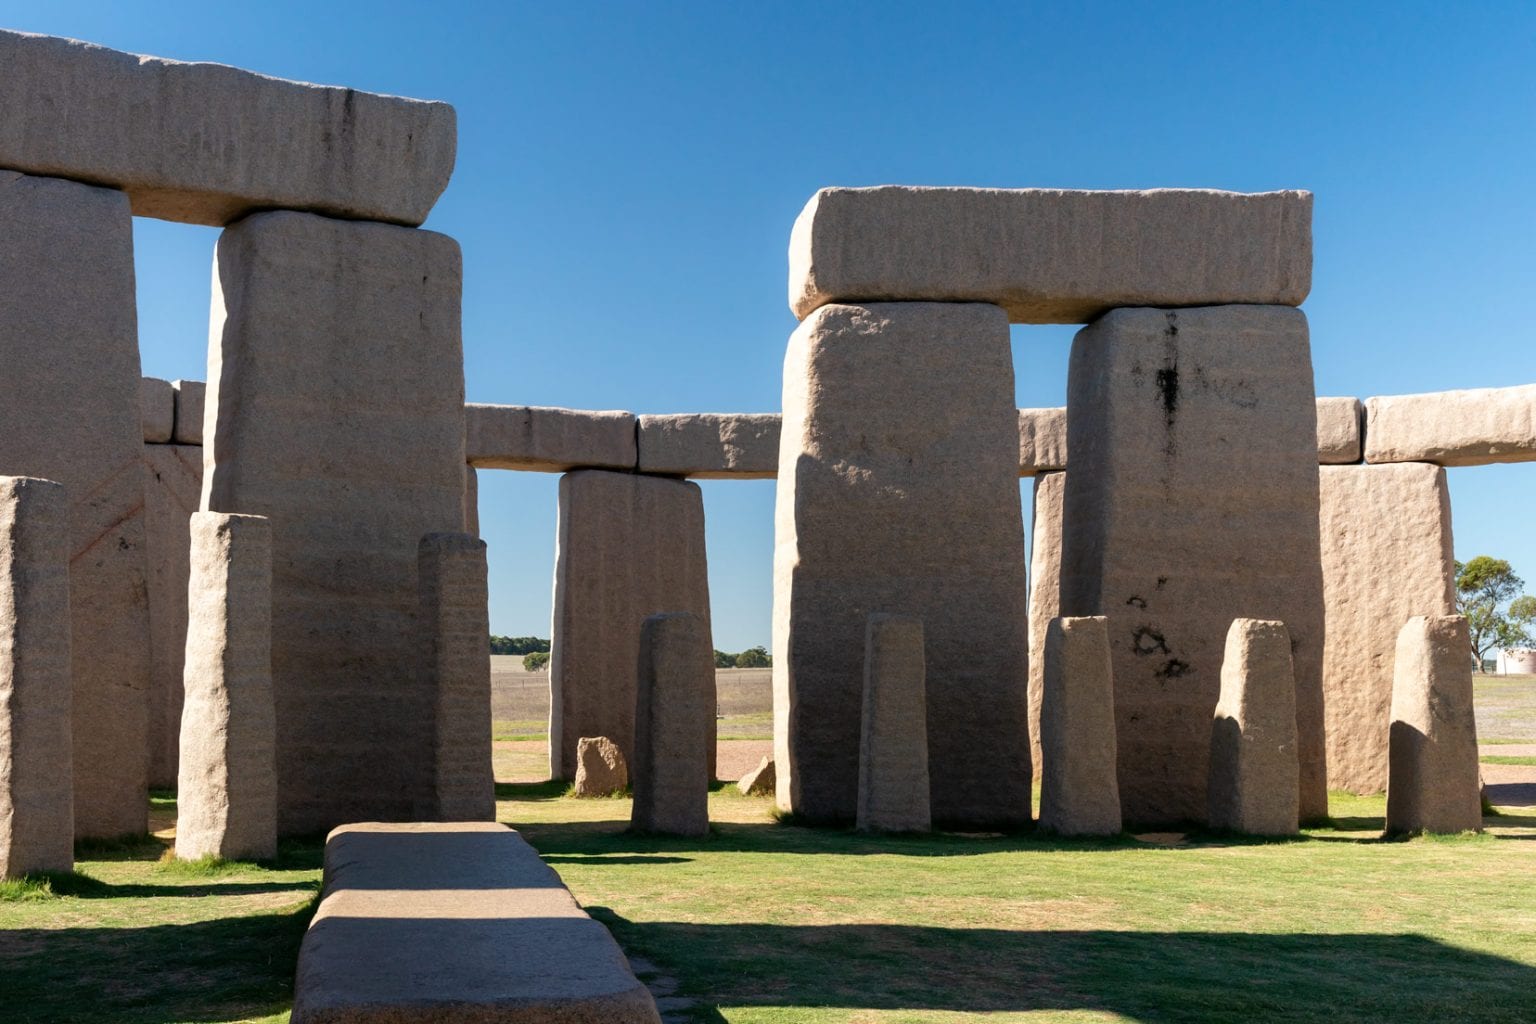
(37, 820)
(337, 387)
(471, 501)
(1433, 784)
(1042, 440)
(1387, 557)
(1079, 793)
(1254, 771)
(760, 781)
(1477, 427)
(1044, 592)
(157, 405)
(1051, 255)
(1192, 500)
(548, 440)
(711, 446)
(191, 396)
(629, 546)
(1338, 430)
(226, 789)
(898, 492)
(172, 486)
(455, 620)
(208, 144)
(674, 725)
(70, 411)
(422, 924)
(600, 767)
(893, 737)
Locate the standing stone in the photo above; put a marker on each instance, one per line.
(1433, 785)
(37, 822)
(760, 781)
(893, 739)
(191, 405)
(674, 725)
(1253, 778)
(1044, 592)
(1192, 500)
(70, 411)
(898, 491)
(629, 546)
(337, 392)
(456, 627)
(227, 783)
(1079, 794)
(471, 501)
(600, 767)
(1387, 556)
(171, 493)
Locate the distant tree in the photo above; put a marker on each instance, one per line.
(536, 661)
(518, 644)
(1499, 617)
(723, 660)
(754, 657)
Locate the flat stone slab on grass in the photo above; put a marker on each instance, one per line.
(455, 922)
(1476, 427)
(548, 440)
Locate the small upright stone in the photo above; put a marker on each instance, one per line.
(37, 817)
(761, 780)
(1079, 793)
(674, 725)
(893, 741)
(600, 767)
(1432, 782)
(451, 578)
(227, 780)
(1252, 786)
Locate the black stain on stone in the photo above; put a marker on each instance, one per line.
(1168, 388)
(1173, 668)
(1136, 602)
(1146, 640)
(1162, 581)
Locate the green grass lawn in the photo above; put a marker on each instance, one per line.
(1506, 708)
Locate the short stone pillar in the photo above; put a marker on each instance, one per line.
(1432, 784)
(674, 726)
(227, 777)
(893, 740)
(455, 620)
(1044, 593)
(1252, 784)
(600, 767)
(1079, 792)
(37, 817)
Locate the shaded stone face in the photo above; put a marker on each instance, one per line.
(1079, 795)
(171, 491)
(1192, 500)
(674, 725)
(600, 767)
(1253, 777)
(1433, 783)
(893, 740)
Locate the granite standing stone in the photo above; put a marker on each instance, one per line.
(337, 388)
(37, 821)
(760, 781)
(1433, 786)
(471, 501)
(172, 490)
(1044, 592)
(893, 738)
(898, 492)
(70, 411)
(456, 625)
(1079, 794)
(1253, 777)
(674, 725)
(226, 790)
(600, 767)
(1192, 499)
(1042, 440)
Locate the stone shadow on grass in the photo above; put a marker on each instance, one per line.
(1145, 976)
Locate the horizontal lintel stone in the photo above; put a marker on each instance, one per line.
(1477, 427)
(548, 440)
(190, 398)
(1338, 431)
(1042, 440)
(711, 446)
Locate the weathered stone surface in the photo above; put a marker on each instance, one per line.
(711, 446)
(1192, 499)
(464, 922)
(893, 739)
(1338, 430)
(1254, 771)
(1079, 794)
(1044, 592)
(600, 767)
(338, 393)
(1042, 440)
(629, 546)
(674, 725)
(897, 494)
(37, 820)
(1477, 427)
(226, 789)
(455, 620)
(191, 397)
(1433, 786)
(1387, 556)
(207, 144)
(760, 781)
(471, 501)
(70, 411)
(1051, 255)
(548, 440)
(172, 488)
(157, 405)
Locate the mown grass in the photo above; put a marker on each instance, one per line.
(520, 729)
(1506, 759)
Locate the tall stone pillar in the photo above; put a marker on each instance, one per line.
(674, 725)
(456, 625)
(337, 398)
(172, 490)
(629, 546)
(1192, 500)
(1044, 593)
(70, 412)
(898, 492)
(893, 740)
(37, 824)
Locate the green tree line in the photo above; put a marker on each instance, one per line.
(518, 645)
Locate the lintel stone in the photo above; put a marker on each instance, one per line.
(157, 404)
(1477, 427)
(711, 446)
(548, 440)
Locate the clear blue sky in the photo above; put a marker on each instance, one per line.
(628, 175)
